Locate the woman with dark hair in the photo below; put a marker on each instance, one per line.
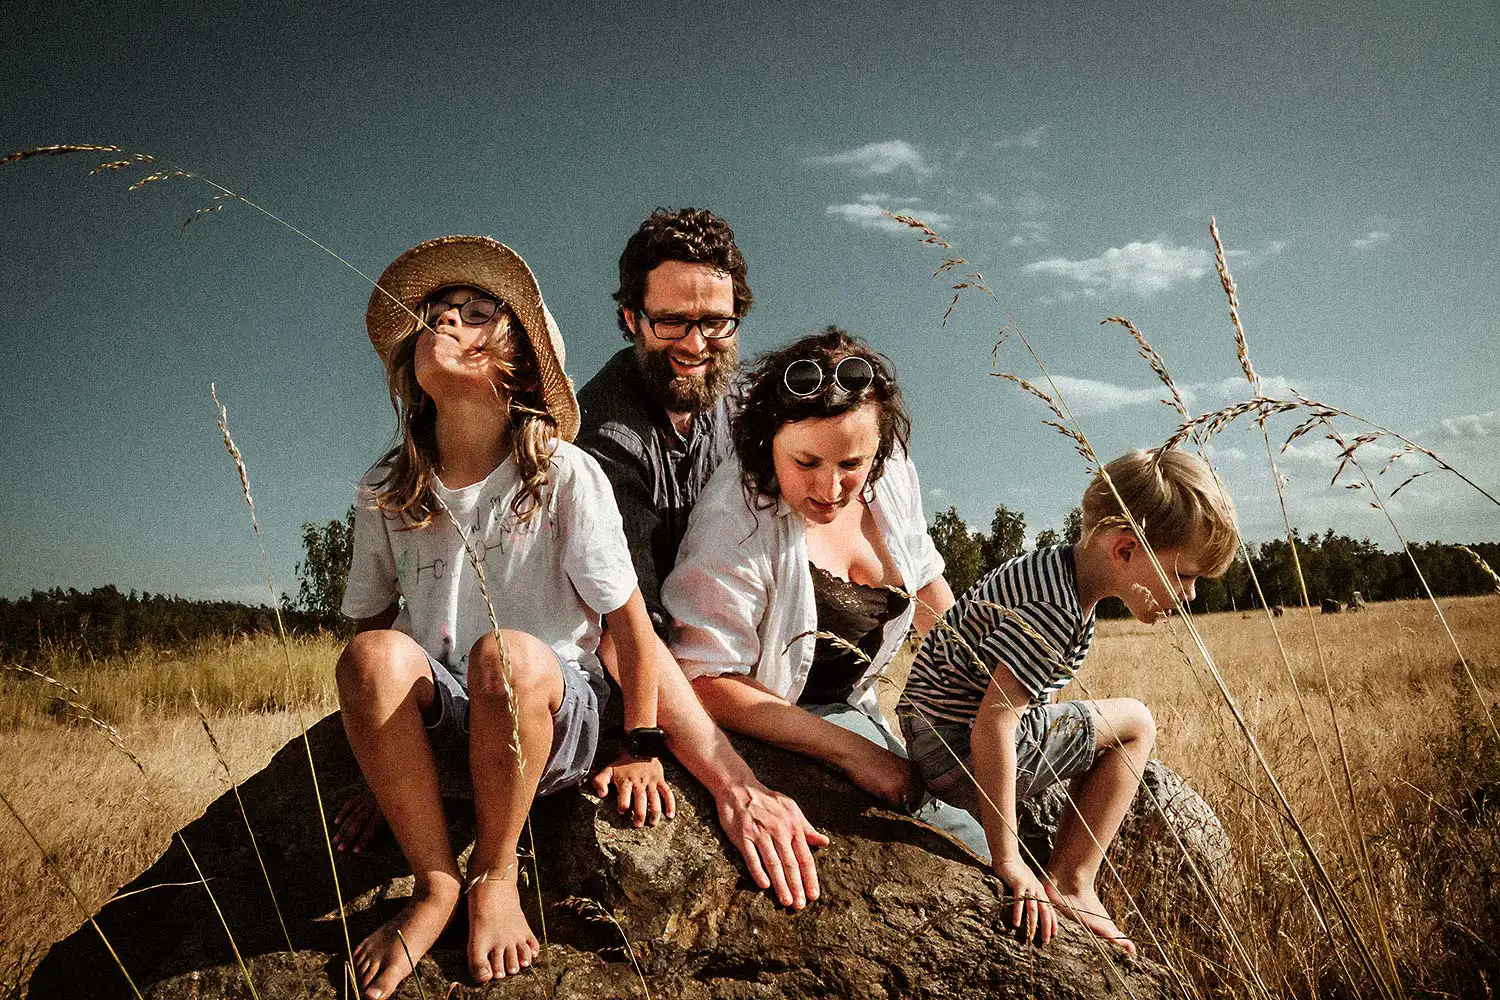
(794, 585)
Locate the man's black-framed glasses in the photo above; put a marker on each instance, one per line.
(677, 327)
(475, 312)
(804, 377)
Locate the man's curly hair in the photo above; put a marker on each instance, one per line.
(690, 235)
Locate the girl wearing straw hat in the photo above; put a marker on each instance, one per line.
(486, 550)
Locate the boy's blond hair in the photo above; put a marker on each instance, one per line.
(1175, 499)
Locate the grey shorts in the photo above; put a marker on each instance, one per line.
(1054, 742)
(575, 725)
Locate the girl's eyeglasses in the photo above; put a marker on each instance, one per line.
(804, 377)
(475, 312)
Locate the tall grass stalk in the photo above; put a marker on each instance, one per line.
(213, 742)
(222, 416)
(56, 869)
(1356, 836)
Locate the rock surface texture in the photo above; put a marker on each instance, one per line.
(904, 913)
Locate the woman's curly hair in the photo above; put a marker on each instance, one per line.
(411, 463)
(765, 406)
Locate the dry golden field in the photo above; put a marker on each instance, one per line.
(1421, 793)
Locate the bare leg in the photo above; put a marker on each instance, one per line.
(384, 684)
(1125, 734)
(505, 782)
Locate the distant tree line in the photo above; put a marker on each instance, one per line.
(1334, 566)
(106, 622)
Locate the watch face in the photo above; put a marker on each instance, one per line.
(645, 742)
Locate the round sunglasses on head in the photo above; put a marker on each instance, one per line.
(475, 312)
(804, 377)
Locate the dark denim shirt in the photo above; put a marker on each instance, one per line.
(656, 472)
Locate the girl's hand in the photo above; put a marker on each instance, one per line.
(642, 788)
(1032, 915)
(884, 775)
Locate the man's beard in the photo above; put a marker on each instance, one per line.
(688, 393)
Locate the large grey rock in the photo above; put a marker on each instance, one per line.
(1171, 857)
(905, 912)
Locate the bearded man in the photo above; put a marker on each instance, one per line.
(657, 416)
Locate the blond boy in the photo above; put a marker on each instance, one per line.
(978, 717)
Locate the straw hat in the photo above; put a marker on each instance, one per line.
(490, 266)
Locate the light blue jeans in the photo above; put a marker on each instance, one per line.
(934, 812)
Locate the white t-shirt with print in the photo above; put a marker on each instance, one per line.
(552, 576)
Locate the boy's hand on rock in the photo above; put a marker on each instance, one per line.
(641, 786)
(1032, 914)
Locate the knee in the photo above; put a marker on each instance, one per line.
(529, 665)
(375, 660)
(1140, 725)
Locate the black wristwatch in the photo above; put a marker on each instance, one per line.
(644, 742)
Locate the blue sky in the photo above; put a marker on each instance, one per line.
(1072, 152)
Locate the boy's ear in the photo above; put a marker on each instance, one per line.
(1123, 545)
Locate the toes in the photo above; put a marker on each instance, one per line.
(385, 984)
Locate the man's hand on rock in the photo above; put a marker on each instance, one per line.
(775, 839)
(641, 786)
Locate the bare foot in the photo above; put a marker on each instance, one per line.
(500, 939)
(1083, 906)
(381, 960)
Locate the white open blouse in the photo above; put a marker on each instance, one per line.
(741, 595)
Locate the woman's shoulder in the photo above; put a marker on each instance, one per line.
(899, 480)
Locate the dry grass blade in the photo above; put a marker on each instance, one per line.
(591, 911)
(222, 418)
(510, 698)
(1154, 359)
(406, 950)
(1225, 279)
(157, 175)
(128, 161)
(82, 712)
(929, 235)
(213, 743)
(61, 149)
(1356, 835)
(1484, 566)
(50, 860)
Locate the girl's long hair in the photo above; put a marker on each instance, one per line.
(407, 489)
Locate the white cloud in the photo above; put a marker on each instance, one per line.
(1473, 424)
(1374, 237)
(869, 215)
(876, 159)
(1029, 139)
(1086, 396)
(1143, 268)
(1236, 387)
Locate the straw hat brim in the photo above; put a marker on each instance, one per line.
(493, 267)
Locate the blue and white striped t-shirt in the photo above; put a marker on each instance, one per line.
(1025, 615)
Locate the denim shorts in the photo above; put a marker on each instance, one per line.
(575, 725)
(1054, 742)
